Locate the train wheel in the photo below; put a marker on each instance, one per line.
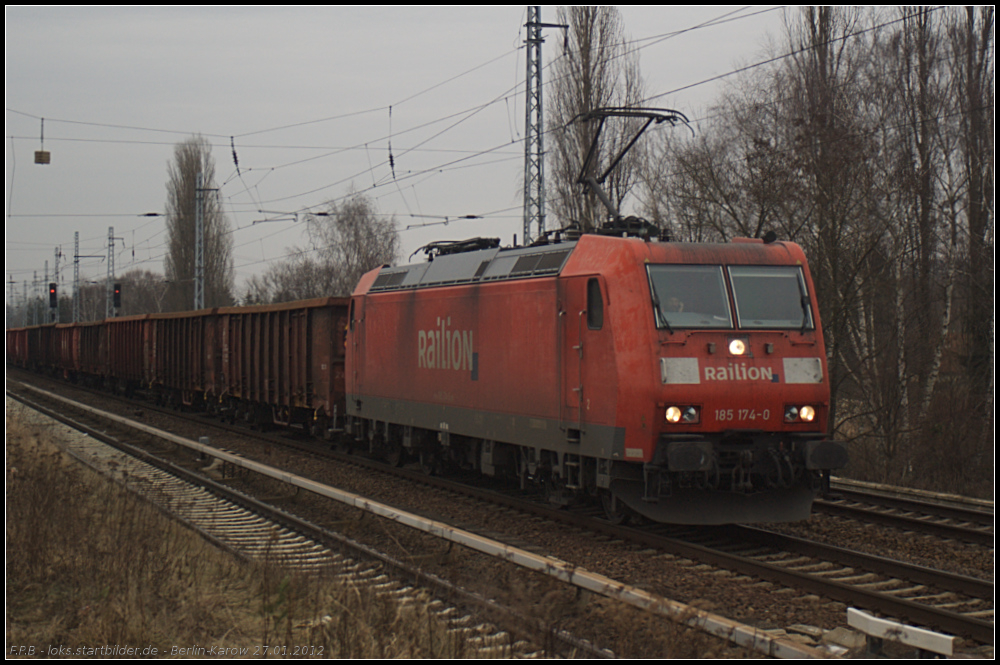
(615, 511)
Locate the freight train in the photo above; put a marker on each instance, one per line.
(686, 383)
(262, 364)
(681, 382)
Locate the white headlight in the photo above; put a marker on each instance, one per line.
(673, 414)
(737, 347)
(800, 414)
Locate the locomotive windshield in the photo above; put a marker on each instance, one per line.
(689, 296)
(770, 297)
(766, 297)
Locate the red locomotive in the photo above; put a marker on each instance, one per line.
(684, 382)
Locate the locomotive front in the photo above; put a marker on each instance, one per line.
(740, 388)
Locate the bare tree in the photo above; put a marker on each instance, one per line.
(143, 292)
(192, 157)
(296, 278)
(736, 178)
(595, 71)
(350, 238)
(92, 301)
(346, 240)
(974, 52)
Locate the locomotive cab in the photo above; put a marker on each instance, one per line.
(741, 392)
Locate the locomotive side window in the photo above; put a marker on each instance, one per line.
(770, 297)
(689, 296)
(595, 305)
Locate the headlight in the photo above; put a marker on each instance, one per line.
(737, 347)
(800, 414)
(687, 414)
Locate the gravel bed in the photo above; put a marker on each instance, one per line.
(919, 549)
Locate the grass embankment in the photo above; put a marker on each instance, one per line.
(92, 566)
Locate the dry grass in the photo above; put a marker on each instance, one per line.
(90, 565)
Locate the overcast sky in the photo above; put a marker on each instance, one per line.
(304, 96)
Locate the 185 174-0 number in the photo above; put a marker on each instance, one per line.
(744, 415)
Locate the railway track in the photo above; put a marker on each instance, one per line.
(869, 583)
(937, 599)
(229, 524)
(256, 531)
(744, 635)
(923, 596)
(922, 512)
(941, 600)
